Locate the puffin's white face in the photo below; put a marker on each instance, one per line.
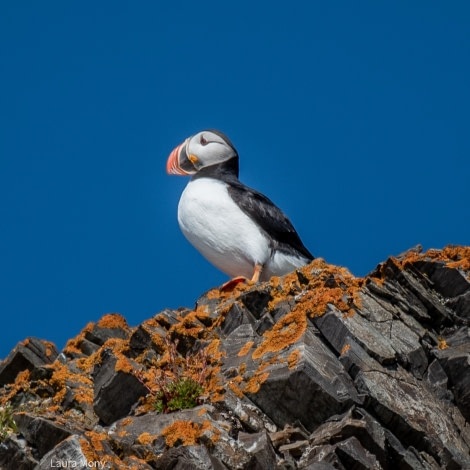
(204, 149)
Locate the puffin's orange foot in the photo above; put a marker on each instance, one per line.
(230, 285)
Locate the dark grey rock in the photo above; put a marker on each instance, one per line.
(167, 318)
(455, 360)
(115, 391)
(15, 454)
(189, 458)
(336, 328)
(236, 315)
(353, 455)
(316, 388)
(88, 347)
(28, 354)
(295, 449)
(224, 448)
(143, 339)
(417, 285)
(41, 373)
(265, 323)
(256, 300)
(288, 435)
(100, 335)
(281, 309)
(437, 380)
(41, 433)
(244, 414)
(259, 447)
(319, 466)
(413, 415)
(68, 452)
(410, 411)
(355, 423)
(449, 282)
(402, 299)
(461, 305)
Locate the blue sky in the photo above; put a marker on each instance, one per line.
(353, 117)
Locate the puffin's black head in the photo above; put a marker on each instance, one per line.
(206, 148)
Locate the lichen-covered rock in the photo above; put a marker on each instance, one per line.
(316, 370)
(116, 387)
(71, 452)
(27, 355)
(271, 375)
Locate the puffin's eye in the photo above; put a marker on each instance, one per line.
(203, 141)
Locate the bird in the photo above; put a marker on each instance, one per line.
(236, 228)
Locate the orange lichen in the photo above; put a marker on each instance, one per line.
(215, 293)
(190, 326)
(112, 320)
(145, 438)
(136, 463)
(293, 359)
(84, 395)
(87, 450)
(345, 348)
(213, 351)
(245, 349)
(158, 340)
(442, 344)
(186, 433)
(21, 383)
(94, 451)
(96, 440)
(86, 364)
(118, 345)
(146, 405)
(127, 421)
(284, 333)
(230, 293)
(22, 377)
(235, 389)
(322, 284)
(455, 257)
(58, 381)
(254, 383)
(123, 364)
(72, 347)
(379, 280)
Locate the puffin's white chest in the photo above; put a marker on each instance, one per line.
(219, 229)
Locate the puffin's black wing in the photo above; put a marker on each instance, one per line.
(268, 216)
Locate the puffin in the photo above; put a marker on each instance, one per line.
(236, 228)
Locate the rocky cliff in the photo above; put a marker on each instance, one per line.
(314, 370)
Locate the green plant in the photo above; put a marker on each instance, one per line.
(178, 394)
(180, 382)
(7, 423)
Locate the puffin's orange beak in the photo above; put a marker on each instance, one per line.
(179, 162)
(173, 165)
